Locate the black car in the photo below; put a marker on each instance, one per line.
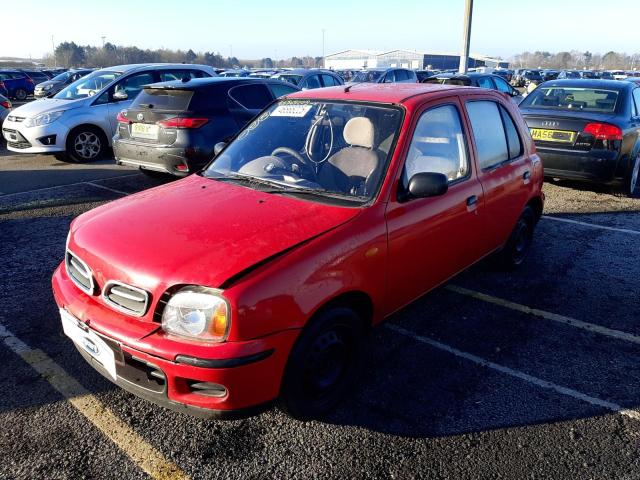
(481, 80)
(173, 127)
(549, 75)
(526, 77)
(50, 87)
(424, 74)
(587, 130)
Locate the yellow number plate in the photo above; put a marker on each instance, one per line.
(562, 136)
(143, 130)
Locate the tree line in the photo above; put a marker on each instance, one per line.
(578, 60)
(69, 54)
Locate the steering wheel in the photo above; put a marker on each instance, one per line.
(292, 152)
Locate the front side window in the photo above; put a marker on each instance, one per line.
(438, 146)
(485, 82)
(502, 85)
(313, 82)
(329, 81)
(133, 84)
(88, 85)
(325, 151)
(367, 76)
(488, 133)
(251, 96)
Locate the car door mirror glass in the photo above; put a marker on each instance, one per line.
(120, 95)
(428, 184)
(218, 147)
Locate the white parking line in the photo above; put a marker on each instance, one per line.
(148, 458)
(614, 407)
(593, 225)
(37, 190)
(119, 192)
(590, 327)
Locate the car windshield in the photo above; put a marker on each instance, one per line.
(326, 150)
(371, 76)
(572, 98)
(62, 77)
(88, 86)
(295, 79)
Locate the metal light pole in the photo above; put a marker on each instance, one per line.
(53, 49)
(103, 39)
(466, 36)
(323, 47)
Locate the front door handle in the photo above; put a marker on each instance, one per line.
(472, 201)
(526, 175)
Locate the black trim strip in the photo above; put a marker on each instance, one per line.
(224, 362)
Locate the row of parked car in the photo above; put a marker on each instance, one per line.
(18, 84)
(523, 77)
(168, 119)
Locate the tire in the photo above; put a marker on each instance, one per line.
(632, 183)
(517, 247)
(86, 144)
(323, 364)
(20, 94)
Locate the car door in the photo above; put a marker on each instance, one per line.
(504, 167)
(131, 85)
(431, 239)
(246, 101)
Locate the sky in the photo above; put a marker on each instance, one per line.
(250, 29)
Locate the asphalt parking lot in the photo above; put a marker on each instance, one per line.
(530, 374)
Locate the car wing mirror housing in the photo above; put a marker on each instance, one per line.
(120, 95)
(426, 184)
(218, 147)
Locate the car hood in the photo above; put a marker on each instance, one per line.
(49, 82)
(37, 107)
(195, 231)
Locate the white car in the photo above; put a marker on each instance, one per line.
(79, 122)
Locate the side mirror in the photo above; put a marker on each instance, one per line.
(515, 93)
(427, 184)
(120, 95)
(218, 147)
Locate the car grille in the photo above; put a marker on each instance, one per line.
(15, 138)
(125, 298)
(80, 273)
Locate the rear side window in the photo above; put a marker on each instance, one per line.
(485, 82)
(313, 82)
(329, 81)
(251, 97)
(163, 99)
(488, 133)
(513, 139)
(502, 85)
(280, 90)
(401, 75)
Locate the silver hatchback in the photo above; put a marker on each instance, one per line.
(79, 122)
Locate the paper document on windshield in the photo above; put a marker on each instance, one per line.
(291, 110)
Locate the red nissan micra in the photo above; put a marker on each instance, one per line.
(259, 277)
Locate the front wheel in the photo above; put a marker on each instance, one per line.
(517, 247)
(633, 179)
(86, 144)
(323, 364)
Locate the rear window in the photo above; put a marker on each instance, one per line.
(572, 98)
(163, 99)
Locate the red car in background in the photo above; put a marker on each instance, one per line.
(259, 277)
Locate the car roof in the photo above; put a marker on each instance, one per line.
(377, 92)
(588, 83)
(196, 83)
(142, 66)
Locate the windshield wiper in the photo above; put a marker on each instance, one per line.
(235, 176)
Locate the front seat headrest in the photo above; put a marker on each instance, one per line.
(358, 132)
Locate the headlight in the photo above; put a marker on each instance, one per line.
(47, 87)
(198, 313)
(43, 119)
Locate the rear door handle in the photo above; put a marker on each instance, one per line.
(526, 176)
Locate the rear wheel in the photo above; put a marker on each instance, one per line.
(517, 247)
(20, 94)
(323, 364)
(86, 144)
(633, 179)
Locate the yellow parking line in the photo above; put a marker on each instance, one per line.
(150, 460)
(590, 327)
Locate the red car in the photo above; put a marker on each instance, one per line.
(259, 277)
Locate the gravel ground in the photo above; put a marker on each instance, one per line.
(419, 411)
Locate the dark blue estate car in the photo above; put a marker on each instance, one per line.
(587, 130)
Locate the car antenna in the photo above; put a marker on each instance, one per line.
(349, 87)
